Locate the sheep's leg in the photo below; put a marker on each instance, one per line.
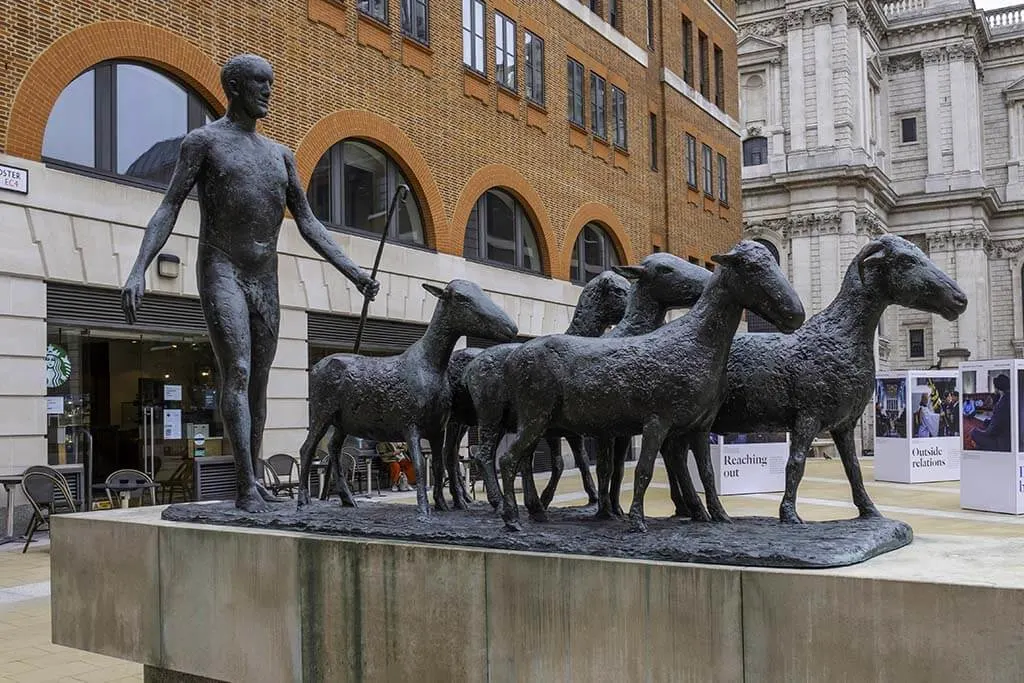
(579, 455)
(702, 455)
(654, 435)
(620, 448)
(340, 481)
(688, 504)
(523, 446)
(801, 437)
(437, 469)
(318, 426)
(530, 495)
(453, 434)
(557, 467)
(848, 453)
(490, 439)
(412, 439)
(605, 465)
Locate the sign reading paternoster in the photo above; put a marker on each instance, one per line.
(13, 179)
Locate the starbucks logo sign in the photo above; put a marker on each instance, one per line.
(58, 366)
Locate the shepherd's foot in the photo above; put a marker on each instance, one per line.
(252, 501)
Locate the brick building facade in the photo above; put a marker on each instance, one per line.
(471, 104)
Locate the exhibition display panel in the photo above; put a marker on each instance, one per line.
(746, 463)
(917, 426)
(992, 467)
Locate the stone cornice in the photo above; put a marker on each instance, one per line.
(821, 15)
(801, 225)
(905, 62)
(795, 20)
(869, 224)
(954, 240)
(1005, 249)
(769, 28)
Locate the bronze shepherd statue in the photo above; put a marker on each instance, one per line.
(245, 182)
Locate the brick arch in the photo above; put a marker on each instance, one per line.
(364, 125)
(598, 213)
(67, 57)
(508, 178)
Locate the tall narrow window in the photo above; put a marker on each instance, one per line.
(613, 13)
(619, 117)
(709, 172)
(534, 47)
(650, 24)
(719, 78)
(473, 35)
(504, 51)
(691, 161)
(755, 151)
(414, 20)
(593, 253)
(908, 129)
(702, 55)
(598, 122)
(687, 51)
(575, 83)
(378, 9)
(653, 129)
(916, 343)
(723, 180)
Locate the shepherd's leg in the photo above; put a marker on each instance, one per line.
(848, 453)
(653, 436)
(412, 439)
(699, 442)
(802, 435)
(265, 323)
(557, 467)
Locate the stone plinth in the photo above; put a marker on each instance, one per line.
(233, 604)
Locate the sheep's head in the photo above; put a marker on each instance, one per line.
(603, 300)
(758, 284)
(906, 276)
(469, 311)
(667, 280)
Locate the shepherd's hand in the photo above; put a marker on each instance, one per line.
(368, 287)
(131, 296)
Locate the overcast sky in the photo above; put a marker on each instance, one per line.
(993, 4)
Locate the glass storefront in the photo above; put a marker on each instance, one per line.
(135, 394)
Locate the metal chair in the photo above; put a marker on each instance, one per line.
(130, 476)
(48, 492)
(281, 473)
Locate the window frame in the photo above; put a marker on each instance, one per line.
(575, 92)
(520, 221)
(719, 57)
(709, 171)
(598, 106)
(104, 132)
(532, 70)
(911, 333)
(366, 13)
(688, 50)
(501, 67)
(579, 248)
(406, 21)
(903, 122)
(468, 25)
(336, 188)
(705, 67)
(749, 150)
(650, 25)
(691, 161)
(723, 180)
(620, 120)
(614, 15)
(652, 134)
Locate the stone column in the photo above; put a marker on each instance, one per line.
(822, 19)
(287, 405)
(795, 58)
(859, 95)
(799, 258)
(961, 254)
(936, 180)
(964, 97)
(830, 257)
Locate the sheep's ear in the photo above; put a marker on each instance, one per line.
(723, 259)
(629, 272)
(434, 289)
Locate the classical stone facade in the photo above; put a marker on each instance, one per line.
(907, 117)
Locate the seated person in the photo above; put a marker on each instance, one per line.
(395, 454)
(996, 434)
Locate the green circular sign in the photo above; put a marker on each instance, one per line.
(58, 366)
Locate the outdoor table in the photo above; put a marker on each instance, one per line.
(10, 482)
(125, 489)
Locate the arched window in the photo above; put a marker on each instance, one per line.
(123, 118)
(352, 187)
(755, 151)
(756, 323)
(598, 252)
(499, 231)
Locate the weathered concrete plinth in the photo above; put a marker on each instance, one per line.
(233, 604)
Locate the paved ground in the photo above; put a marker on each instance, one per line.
(27, 656)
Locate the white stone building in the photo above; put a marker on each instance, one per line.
(903, 116)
